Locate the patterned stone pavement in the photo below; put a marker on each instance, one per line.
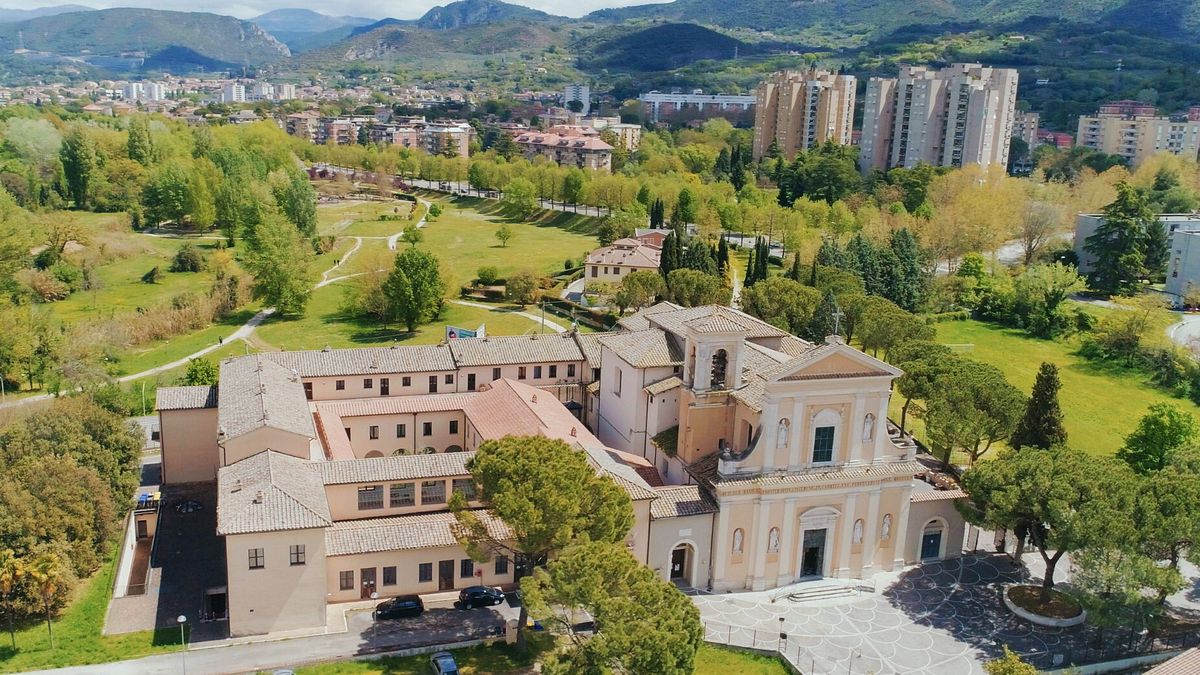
(937, 619)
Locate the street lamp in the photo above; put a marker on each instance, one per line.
(183, 641)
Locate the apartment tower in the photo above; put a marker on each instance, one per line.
(962, 114)
(801, 109)
(1136, 131)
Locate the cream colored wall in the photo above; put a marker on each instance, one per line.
(483, 375)
(623, 417)
(407, 572)
(702, 426)
(265, 438)
(189, 445)
(343, 500)
(413, 441)
(606, 274)
(325, 388)
(280, 596)
(638, 540)
(668, 533)
(953, 531)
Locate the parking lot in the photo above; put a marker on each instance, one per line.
(441, 623)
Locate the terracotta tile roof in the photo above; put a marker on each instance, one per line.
(396, 405)
(641, 321)
(715, 324)
(554, 140)
(402, 533)
(625, 475)
(256, 392)
(269, 492)
(385, 469)
(638, 255)
(753, 394)
(676, 321)
(645, 349)
(511, 408)
(589, 344)
(680, 501)
(920, 496)
(1187, 663)
(879, 470)
(366, 360)
(794, 346)
(594, 387)
(663, 386)
(650, 475)
(495, 351)
(186, 398)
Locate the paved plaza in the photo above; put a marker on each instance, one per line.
(937, 619)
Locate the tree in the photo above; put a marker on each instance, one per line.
(139, 146)
(548, 495)
(487, 275)
(908, 288)
(783, 303)
(1161, 432)
(1041, 289)
(882, 325)
(297, 200)
(691, 288)
(642, 623)
(278, 258)
(1039, 225)
(188, 258)
(1111, 584)
(1118, 245)
(822, 323)
(973, 408)
(1009, 664)
(640, 288)
(924, 363)
(412, 235)
(521, 287)
(685, 209)
(415, 289)
(201, 371)
(1061, 499)
(80, 163)
(621, 223)
(1167, 513)
(521, 197)
(573, 186)
(12, 569)
(46, 572)
(1042, 424)
(167, 196)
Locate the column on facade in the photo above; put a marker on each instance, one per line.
(720, 548)
(849, 515)
(787, 542)
(770, 437)
(800, 424)
(901, 534)
(881, 433)
(858, 412)
(871, 534)
(758, 547)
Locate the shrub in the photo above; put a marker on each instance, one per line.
(435, 210)
(568, 264)
(46, 258)
(44, 285)
(488, 275)
(153, 276)
(69, 274)
(188, 258)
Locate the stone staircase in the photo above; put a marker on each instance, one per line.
(815, 591)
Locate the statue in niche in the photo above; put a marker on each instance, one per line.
(858, 531)
(885, 531)
(773, 540)
(868, 428)
(737, 540)
(784, 434)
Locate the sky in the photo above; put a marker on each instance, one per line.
(374, 9)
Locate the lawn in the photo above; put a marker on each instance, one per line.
(714, 660)
(144, 357)
(1101, 404)
(77, 637)
(361, 218)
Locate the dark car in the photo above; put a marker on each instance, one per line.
(399, 607)
(443, 663)
(480, 596)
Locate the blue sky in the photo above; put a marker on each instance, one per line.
(376, 9)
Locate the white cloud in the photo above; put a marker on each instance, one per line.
(377, 9)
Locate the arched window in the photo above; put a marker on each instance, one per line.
(783, 435)
(454, 448)
(720, 362)
(428, 451)
(824, 435)
(399, 451)
(738, 536)
(373, 454)
(773, 540)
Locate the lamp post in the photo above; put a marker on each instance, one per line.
(183, 641)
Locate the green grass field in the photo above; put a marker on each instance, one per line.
(1101, 403)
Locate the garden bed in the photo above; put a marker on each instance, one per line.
(1045, 607)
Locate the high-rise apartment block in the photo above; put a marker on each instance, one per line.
(798, 110)
(578, 92)
(1136, 131)
(959, 115)
(233, 93)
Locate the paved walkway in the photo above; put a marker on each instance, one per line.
(556, 327)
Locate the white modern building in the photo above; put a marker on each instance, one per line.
(581, 93)
(1183, 232)
(233, 93)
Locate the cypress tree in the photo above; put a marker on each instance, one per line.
(794, 274)
(669, 259)
(751, 270)
(909, 289)
(1042, 424)
(821, 324)
(762, 259)
(722, 254)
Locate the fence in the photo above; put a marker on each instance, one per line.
(1111, 645)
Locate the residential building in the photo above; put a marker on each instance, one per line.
(304, 125)
(437, 137)
(752, 459)
(959, 115)
(659, 107)
(261, 91)
(233, 92)
(797, 110)
(581, 151)
(1026, 126)
(578, 92)
(1183, 235)
(133, 91)
(285, 92)
(1135, 131)
(610, 264)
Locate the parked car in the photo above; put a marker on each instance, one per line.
(480, 596)
(399, 607)
(443, 663)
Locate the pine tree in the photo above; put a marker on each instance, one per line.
(1042, 424)
(657, 214)
(909, 290)
(829, 255)
(1118, 245)
(822, 323)
(723, 166)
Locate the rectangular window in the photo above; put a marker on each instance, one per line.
(521, 373)
(433, 384)
(296, 554)
(449, 378)
(433, 492)
(464, 485)
(466, 568)
(401, 494)
(823, 444)
(617, 388)
(389, 576)
(495, 374)
(348, 435)
(370, 497)
(570, 370)
(340, 385)
(406, 381)
(501, 564)
(257, 559)
(553, 371)
(374, 432)
(308, 390)
(426, 428)
(454, 426)
(385, 386)
(425, 572)
(401, 431)
(594, 269)
(537, 372)
(346, 580)
(368, 383)
(470, 381)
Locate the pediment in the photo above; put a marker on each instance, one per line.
(833, 361)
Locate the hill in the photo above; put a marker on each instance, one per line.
(10, 15)
(110, 37)
(477, 12)
(660, 47)
(304, 21)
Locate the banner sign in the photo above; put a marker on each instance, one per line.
(454, 332)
